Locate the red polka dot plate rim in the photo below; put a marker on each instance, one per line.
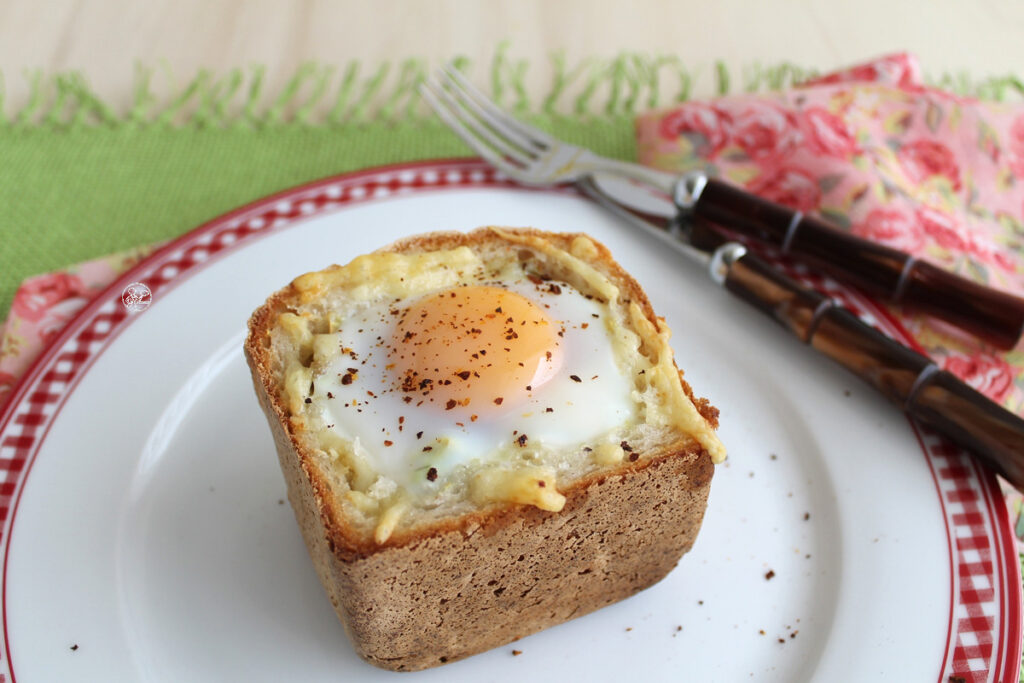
(142, 542)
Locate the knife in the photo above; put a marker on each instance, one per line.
(914, 382)
(883, 272)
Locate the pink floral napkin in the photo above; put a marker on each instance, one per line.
(876, 152)
(44, 304)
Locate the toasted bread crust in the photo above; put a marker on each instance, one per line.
(450, 589)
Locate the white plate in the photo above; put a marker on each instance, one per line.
(145, 524)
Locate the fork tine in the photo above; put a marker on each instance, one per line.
(485, 109)
(480, 129)
(452, 119)
(533, 136)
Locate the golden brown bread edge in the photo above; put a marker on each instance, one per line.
(441, 592)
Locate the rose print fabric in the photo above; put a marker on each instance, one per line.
(875, 152)
(45, 303)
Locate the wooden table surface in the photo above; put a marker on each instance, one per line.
(106, 39)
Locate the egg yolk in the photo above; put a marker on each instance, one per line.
(474, 349)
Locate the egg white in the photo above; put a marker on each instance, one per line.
(358, 399)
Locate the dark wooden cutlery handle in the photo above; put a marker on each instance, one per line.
(991, 315)
(914, 382)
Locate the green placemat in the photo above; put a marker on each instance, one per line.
(79, 180)
(72, 196)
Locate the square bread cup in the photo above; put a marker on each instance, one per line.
(429, 556)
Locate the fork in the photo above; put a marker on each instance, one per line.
(532, 157)
(524, 153)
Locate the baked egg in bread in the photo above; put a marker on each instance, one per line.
(453, 389)
(501, 369)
